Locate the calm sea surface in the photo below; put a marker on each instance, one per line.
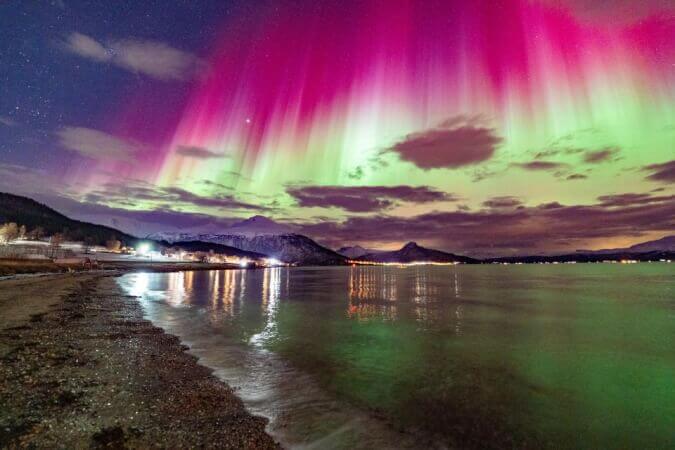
(532, 356)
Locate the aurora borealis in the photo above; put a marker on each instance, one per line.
(486, 127)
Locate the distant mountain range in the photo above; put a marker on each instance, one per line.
(259, 236)
(262, 235)
(655, 250)
(411, 252)
(665, 244)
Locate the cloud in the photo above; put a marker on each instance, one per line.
(457, 142)
(600, 156)
(614, 12)
(576, 176)
(97, 144)
(356, 174)
(541, 165)
(152, 58)
(130, 193)
(628, 199)
(663, 172)
(551, 227)
(502, 202)
(7, 121)
(364, 198)
(191, 151)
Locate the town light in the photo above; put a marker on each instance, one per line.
(143, 249)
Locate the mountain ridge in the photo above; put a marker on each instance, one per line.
(411, 252)
(26, 211)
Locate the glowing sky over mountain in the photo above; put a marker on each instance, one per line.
(350, 117)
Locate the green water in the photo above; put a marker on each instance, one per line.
(533, 356)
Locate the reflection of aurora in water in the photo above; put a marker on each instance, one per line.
(457, 352)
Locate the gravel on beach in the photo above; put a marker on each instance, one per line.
(91, 372)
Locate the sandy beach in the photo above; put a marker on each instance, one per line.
(81, 368)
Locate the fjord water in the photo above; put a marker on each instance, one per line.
(532, 356)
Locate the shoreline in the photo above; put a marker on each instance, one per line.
(12, 268)
(85, 369)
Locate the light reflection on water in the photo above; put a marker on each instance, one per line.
(475, 356)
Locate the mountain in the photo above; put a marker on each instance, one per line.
(262, 235)
(258, 226)
(28, 212)
(199, 246)
(665, 244)
(354, 252)
(411, 252)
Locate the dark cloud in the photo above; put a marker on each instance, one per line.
(633, 199)
(541, 165)
(576, 176)
(191, 151)
(600, 156)
(364, 198)
(663, 172)
(356, 174)
(545, 228)
(550, 205)
(502, 202)
(457, 142)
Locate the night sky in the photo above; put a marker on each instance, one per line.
(478, 127)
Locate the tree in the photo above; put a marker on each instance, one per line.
(113, 245)
(22, 232)
(55, 243)
(9, 232)
(87, 244)
(36, 234)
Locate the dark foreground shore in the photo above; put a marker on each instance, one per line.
(88, 371)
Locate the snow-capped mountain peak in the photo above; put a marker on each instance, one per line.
(258, 225)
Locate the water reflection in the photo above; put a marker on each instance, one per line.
(271, 290)
(372, 294)
(459, 352)
(381, 292)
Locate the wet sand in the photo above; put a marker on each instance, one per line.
(79, 367)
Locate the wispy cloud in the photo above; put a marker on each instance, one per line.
(130, 193)
(191, 151)
(152, 58)
(614, 12)
(7, 121)
(97, 144)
